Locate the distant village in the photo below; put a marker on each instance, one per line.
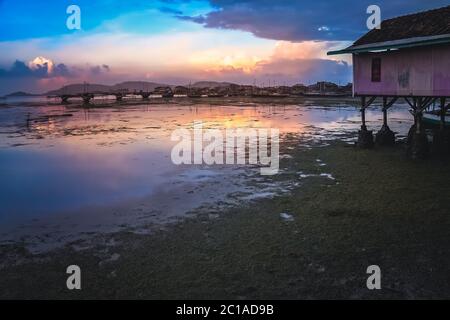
(197, 90)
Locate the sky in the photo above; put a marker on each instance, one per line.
(181, 41)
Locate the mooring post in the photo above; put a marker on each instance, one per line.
(384, 111)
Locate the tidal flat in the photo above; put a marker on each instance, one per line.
(344, 210)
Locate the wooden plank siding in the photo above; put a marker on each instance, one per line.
(421, 71)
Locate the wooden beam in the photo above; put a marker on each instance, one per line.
(371, 100)
(409, 102)
(389, 104)
(427, 103)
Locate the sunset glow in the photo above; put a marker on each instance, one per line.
(175, 42)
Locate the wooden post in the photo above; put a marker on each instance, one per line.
(418, 114)
(385, 111)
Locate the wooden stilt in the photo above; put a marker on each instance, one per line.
(384, 111)
(417, 139)
(363, 113)
(443, 111)
(417, 102)
(365, 137)
(386, 137)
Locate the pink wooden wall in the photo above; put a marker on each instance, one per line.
(422, 71)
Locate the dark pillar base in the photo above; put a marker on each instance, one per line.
(417, 144)
(365, 139)
(441, 142)
(385, 137)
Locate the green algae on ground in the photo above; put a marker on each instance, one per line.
(381, 209)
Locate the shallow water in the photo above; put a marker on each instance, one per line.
(73, 162)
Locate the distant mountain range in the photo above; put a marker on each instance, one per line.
(21, 94)
(91, 87)
(210, 84)
(136, 86)
(131, 86)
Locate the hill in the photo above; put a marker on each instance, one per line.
(131, 86)
(21, 94)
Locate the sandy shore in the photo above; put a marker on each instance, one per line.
(352, 208)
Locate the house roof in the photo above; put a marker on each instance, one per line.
(418, 29)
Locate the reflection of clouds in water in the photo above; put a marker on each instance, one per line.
(99, 155)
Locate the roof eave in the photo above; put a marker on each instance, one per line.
(380, 46)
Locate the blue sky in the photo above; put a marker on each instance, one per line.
(179, 41)
(36, 19)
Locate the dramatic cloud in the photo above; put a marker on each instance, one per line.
(299, 20)
(20, 69)
(44, 68)
(289, 63)
(305, 71)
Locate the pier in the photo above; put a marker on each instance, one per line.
(86, 97)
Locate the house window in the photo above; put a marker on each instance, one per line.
(376, 70)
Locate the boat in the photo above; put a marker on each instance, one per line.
(434, 119)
